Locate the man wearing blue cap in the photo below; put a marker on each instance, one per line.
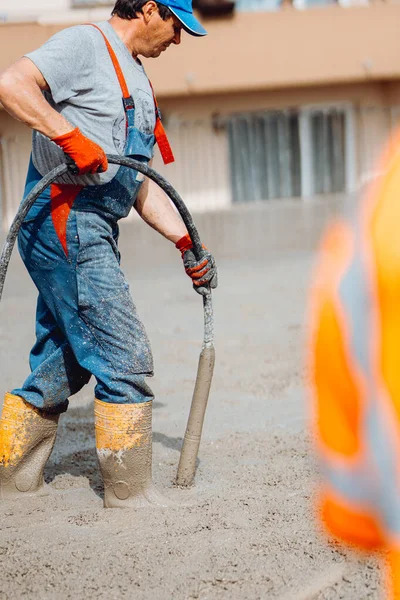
(85, 94)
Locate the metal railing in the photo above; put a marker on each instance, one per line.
(91, 3)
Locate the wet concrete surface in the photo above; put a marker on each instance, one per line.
(246, 529)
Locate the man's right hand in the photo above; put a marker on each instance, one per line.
(87, 156)
(203, 272)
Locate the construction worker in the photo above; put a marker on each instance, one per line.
(85, 93)
(354, 369)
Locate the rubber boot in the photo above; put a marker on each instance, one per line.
(27, 437)
(124, 450)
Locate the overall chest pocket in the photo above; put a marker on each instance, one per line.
(139, 145)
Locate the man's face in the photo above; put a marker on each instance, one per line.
(161, 34)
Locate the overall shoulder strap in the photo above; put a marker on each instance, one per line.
(159, 131)
(161, 134)
(115, 62)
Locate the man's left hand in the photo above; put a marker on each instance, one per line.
(203, 272)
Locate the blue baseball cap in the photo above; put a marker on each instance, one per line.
(182, 9)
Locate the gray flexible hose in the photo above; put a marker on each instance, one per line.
(137, 166)
(191, 443)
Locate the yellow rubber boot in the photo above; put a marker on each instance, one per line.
(124, 450)
(27, 437)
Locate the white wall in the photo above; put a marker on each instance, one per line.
(200, 172)
(54, 10)
(32, 6)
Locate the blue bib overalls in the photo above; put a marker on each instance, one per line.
(86, 321)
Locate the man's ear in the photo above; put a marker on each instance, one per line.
(149, 10)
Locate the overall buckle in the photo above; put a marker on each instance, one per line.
(129, 103)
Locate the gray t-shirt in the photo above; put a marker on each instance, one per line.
(84, 88)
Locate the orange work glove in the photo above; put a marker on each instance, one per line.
(87, 156)
(203, 272)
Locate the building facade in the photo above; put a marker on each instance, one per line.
(280, 100)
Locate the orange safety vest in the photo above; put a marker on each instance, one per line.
(354, 367)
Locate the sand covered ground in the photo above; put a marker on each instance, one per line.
(245, 531)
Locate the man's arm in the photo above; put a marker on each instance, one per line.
(21, 88)
(154, 207)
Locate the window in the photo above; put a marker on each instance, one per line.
(292, 153)
(264, 156)
(257, 5)
(328, 150)
(327, 130)
(300, 4)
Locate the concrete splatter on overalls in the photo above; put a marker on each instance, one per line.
(86, 320)
(86, 324)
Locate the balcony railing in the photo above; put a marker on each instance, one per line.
(91, 3)
(218, 7)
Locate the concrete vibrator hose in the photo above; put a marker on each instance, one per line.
(187, 463)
